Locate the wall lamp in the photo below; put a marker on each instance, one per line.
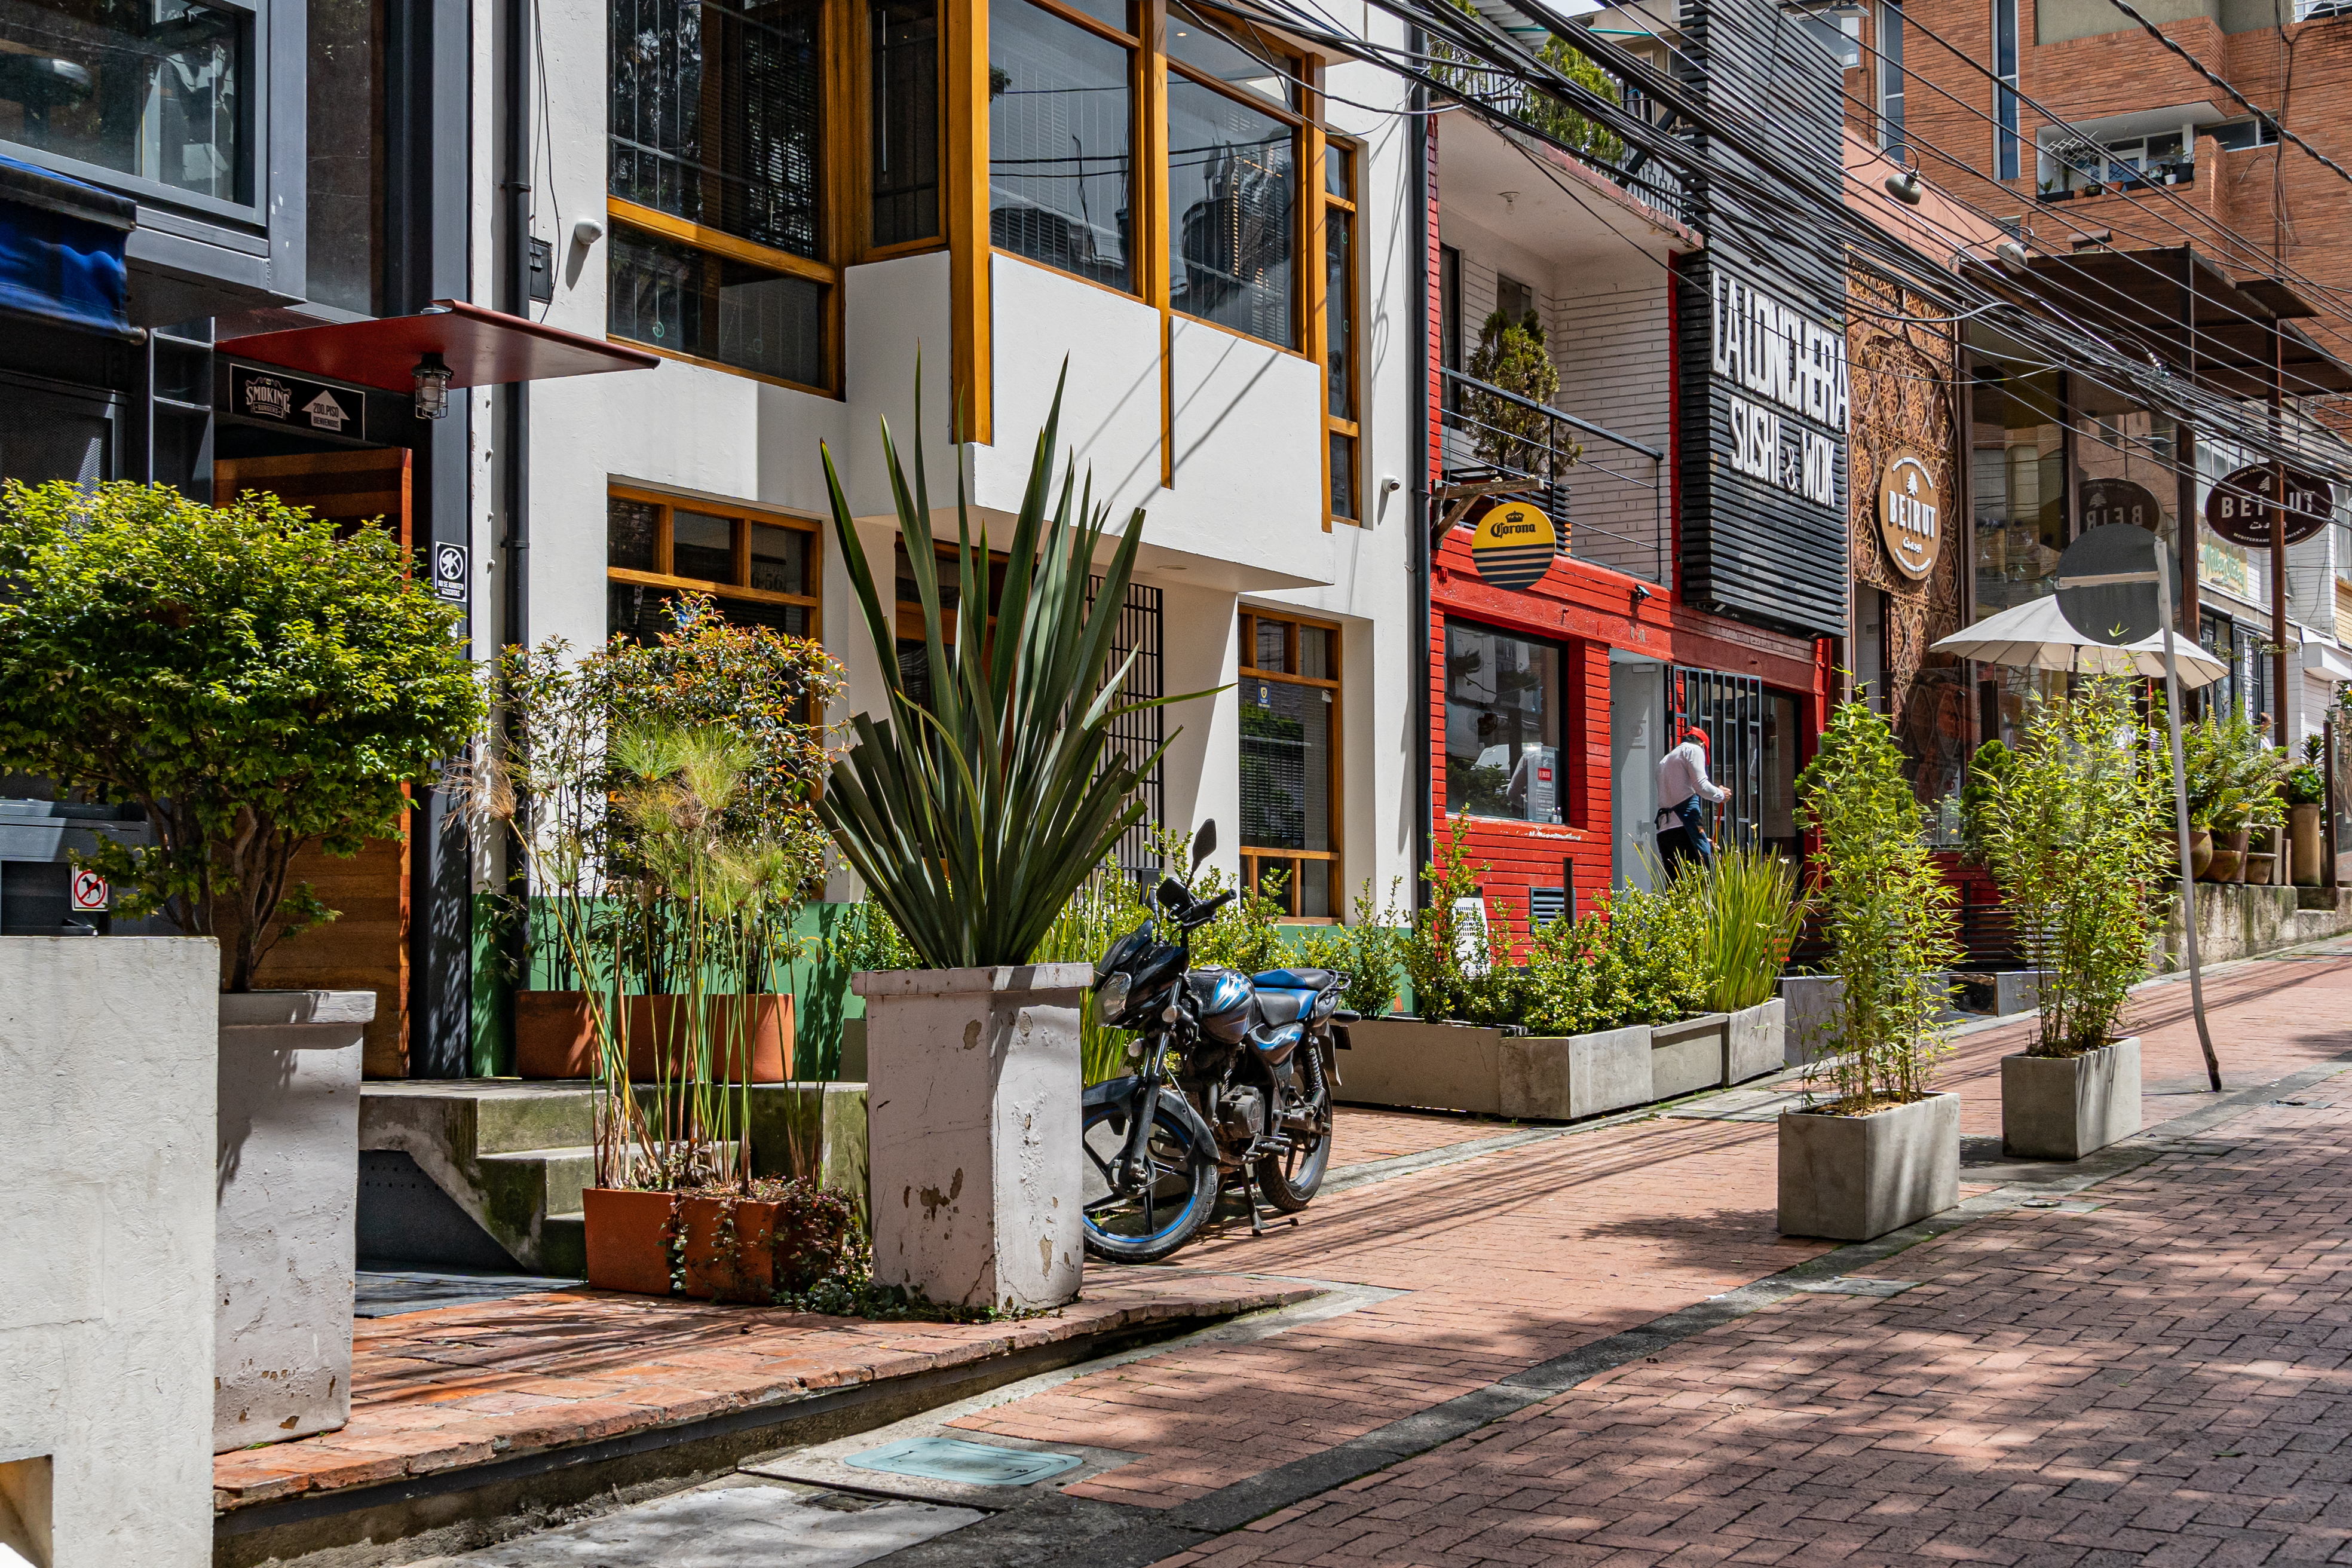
(432, 388)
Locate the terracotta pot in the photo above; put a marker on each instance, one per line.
(658, 1034)
(2200, 851)
(2309, 838)
(625, 1248)
(553, 1036)
(2229, 856)
(2260, 864)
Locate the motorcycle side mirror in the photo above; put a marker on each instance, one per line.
(1172, 896)
(1205, 843)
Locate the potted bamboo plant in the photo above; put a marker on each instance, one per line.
(1884, 1150)
(2076, 842)
(973, 813)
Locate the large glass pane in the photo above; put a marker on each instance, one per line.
(779, 559)
(905, 89)
(676, 298)
(702, 546)
(1502, 725)
(1339, 307)
(1286, 765)
(2019, 472)
(1060, 127)
(156, 90)
(632, 529)
(1232, 180)
(344, 215)
(714, 115)
(1244, 60)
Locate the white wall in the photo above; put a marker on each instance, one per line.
(106, 1259)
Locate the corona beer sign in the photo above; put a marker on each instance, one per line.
(1514, 545)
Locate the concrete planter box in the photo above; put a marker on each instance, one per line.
(2062, 1108)
(286, 1198)
(1813, 1003)
(108, 1049)
(2003, 992)
(1689, 1055)
(1407, 1062)
(973, 1121)
(1852, 1178)
(1568, 1077)
(1756, 1041)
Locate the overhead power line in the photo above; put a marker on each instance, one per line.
(2199, 67)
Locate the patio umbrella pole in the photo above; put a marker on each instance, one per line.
(2180, 812)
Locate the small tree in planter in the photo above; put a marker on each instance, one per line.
(2075, 839)
(1884, 1151)
(973, 815)
(254, 681)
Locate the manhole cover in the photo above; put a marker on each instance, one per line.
(973, 1464)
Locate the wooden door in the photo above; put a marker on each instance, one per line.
(366, 947)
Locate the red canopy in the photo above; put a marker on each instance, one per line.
(481, 348)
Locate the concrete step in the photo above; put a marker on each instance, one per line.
(552, 1178)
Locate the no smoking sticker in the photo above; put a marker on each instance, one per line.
(90, 892)
(450, 573)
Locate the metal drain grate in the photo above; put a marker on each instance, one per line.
(971, 1464)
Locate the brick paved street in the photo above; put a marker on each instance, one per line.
(1506, 1258)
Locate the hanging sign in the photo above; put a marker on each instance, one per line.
(2239, 508)
(2108, 502)
(1910, 513)
(1514, 545)
(289, 400)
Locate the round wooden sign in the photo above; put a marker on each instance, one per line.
(1910, 513)
(2239, 508)
(2106, 501)
(1514, 544)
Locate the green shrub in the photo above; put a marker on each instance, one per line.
(1748, 914)
(1977, 789)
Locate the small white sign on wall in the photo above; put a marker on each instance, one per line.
(1470, 934)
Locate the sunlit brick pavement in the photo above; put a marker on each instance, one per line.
(2162, 1380)
(1516, 1256)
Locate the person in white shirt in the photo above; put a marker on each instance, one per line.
(1683, 793)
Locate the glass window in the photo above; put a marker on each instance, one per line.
(633, 535)
(156, 90)
(343, 214)
(1232, 180)
(1890, 77)
(2006, 142)
(779, 559)
(699, 542)
(1515, 299)
(1231, 56)
(1339, 239)
(1502, 725)
(906, 90)
(714, 115)
(1061, 136)
(1289, 706)
(702, 546)
(691, 302)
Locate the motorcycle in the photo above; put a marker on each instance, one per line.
(1232, 1083)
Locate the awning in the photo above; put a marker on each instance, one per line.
(61, 249)
(481, 348)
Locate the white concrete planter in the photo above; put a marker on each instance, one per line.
(1408, 1062)
(2062, 1108)
(973, 1116)
(287, 1187)
(1554, 1077)
(1813, 1002)
(1851, 1178)
(105, 1256)
(1689, 1055)
(1756, 1041)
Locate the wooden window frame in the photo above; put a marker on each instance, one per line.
(854, 171)
(1143, 154)
(1351, 203)
(1256, 859)
(841, 223)
(664, 540)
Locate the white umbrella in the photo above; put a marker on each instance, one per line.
(2037, 634)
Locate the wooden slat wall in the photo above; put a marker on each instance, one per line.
(366, 949)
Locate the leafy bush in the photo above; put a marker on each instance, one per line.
(1977, 790)
(2076, 841)
(1432, 956)
(1748, 914)
(253, 681)
(1369, 953)
(1887, 911)
(1634, 960)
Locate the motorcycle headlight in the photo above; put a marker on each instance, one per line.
(1111, 1000)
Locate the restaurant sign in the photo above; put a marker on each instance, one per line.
(1785, 363)
(1910, 513)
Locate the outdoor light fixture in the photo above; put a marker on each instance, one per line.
(432, 388)
(1906, 187)
(2012, 255)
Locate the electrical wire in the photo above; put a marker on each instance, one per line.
(2278, 121)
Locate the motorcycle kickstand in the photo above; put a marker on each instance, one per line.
(1249, 1196)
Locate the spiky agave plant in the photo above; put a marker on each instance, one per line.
(973, 815)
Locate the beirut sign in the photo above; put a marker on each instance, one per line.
(1910, 513)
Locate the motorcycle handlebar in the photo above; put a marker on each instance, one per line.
(1201, 914)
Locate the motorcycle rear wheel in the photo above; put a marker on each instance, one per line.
(1146, 1225)
(1291, 1180)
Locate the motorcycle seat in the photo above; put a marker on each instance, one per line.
(1278, 1008)
(1297, 979)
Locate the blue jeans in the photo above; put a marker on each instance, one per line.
(1687, 840)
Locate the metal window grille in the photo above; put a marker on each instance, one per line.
(1730, 709)
(1139, 735)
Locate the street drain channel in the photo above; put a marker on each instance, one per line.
(970, 1464)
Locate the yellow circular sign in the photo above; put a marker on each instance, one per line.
(1514, 544)
(1910, 513)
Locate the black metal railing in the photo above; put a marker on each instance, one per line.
(1605, 492)
(1655, 185)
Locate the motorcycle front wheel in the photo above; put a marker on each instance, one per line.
(1290, 1180)
(1172, 1203)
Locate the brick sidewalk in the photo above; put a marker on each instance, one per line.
(1511, 1258)
(2160, 1380)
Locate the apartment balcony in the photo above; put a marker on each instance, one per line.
(1654, 186)
(1606, 492)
